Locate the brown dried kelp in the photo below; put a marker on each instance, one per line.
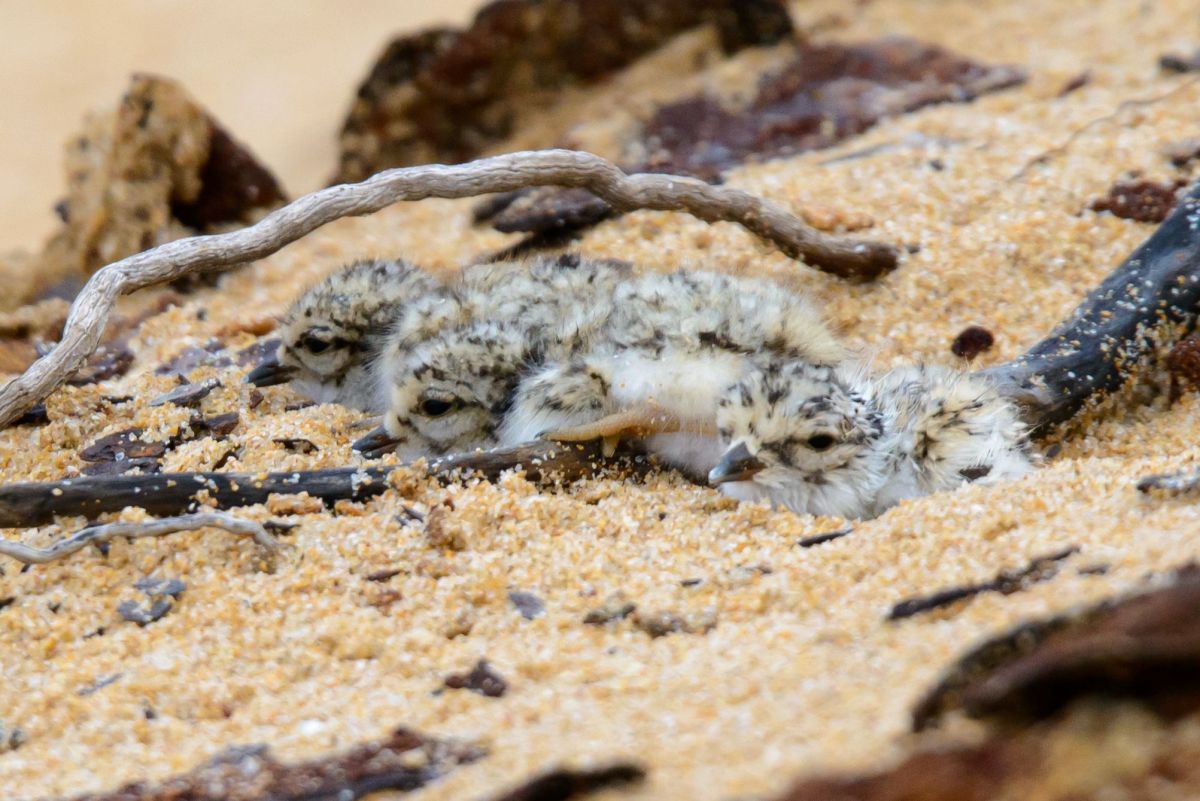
(404, 761)
(1141, 201)
(446, 95)
(1145, 647)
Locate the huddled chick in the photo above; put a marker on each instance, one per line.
(733, 379)
(332, 336)
(838, 441)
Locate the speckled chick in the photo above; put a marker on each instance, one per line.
(452, 391)
(672, 345)
(837, 441)
(332, 334)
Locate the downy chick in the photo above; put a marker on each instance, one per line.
(331, 336)
(451, 392)
(673, 344)
(839, 442)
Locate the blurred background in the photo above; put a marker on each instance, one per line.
(278, 74)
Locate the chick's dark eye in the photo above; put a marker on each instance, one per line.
(820, 442)
(313, 344)
(432, 407)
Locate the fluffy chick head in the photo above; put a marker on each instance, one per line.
(332, 333)
(806, 437)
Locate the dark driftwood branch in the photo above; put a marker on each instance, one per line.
(34, 504)
(1097, 348)
(90, 311)
(150, 528)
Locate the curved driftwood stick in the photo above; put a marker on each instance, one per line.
(1097, 348)
(34, 504)
(150, 528)
(90, 311)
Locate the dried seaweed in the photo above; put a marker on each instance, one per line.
(404, 761)
(1146, 646)
(447, 95)
(1006, 582)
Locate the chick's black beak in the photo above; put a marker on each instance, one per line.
(270, 373)
(376, 444)
(738, 464)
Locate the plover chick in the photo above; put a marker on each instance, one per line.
(332, 334)
(449, 392)
(514, 317)
(672, 345)
(341, 338)
(836, 441)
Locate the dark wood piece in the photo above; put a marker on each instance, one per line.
(1096, 349)
(33, 504)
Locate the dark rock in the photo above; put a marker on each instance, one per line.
(36, 416)
(257, 352)
(134, 612)
(383, 575)
(211, 355)
(233, 184)
(404, 761)
(1075, 83)
(218, 426)
(854, 85)
(529, 605)
(482, 679)
(820, 539)
(1176, 63)
(122, 445)
(121, 467)
(109, 361)
(296, 445)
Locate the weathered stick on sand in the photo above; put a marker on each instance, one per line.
(33, 504)
(89, 313)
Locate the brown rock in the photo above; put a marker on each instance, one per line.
(446, 95)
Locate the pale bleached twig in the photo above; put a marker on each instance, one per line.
(150, 528)
(90, 311)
